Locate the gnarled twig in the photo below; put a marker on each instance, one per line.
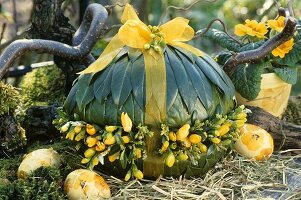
(265, 49)
(83, 41)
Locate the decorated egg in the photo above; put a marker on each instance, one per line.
(254, 142)
(86, 184)
(36, 159)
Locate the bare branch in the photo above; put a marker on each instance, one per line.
(181, 9)
(290, 6)
(263, 50)
(2, 32)
(91, 28)
(202, 33)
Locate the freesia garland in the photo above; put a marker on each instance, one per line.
(127, 144)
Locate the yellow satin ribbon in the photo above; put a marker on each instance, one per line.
(135, 34)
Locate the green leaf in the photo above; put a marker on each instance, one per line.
(138, 81)
(247, 79)
(172, 89)
(185, 87)
(123, 159)
(102, 86)
(121, 81)
(70, 102)
(222, 57)
(84, 93)
(287, 74)
(111, 113)
(222, 39)
(199, 82)
(96, 113)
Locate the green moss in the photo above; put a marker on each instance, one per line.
(293, 110)
(9, 98)
(43, 86)
(43, 183)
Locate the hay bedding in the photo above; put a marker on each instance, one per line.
(234, 178)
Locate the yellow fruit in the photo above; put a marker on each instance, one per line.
(183, 132)
(86, 184)
(126, 122)
(100, 146)
(90, 152)
(36, 159)
(172, 136)
(202, 147)
(90, 129)
(215, 140)
(170, 160)
(195, 138)
(91, 141)
(254, 142)
(111, 128)
(126, 139)
(224, 129)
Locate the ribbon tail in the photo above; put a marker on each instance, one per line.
(188, 47)
(155, 80)
(110, 52)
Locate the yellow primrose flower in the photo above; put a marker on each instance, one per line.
(100, 146)
(126, 122)
(283, 49)
(252, 28)
(277, 24)
(91, 141)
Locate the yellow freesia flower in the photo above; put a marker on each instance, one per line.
(126, 122)
(252, 28)
(277, 24)
(283, 49)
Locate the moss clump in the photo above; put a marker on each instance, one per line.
(43, 86)
(293, 110)
(10, 99)
(43, 183)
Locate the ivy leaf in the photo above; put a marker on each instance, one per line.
(287, 74)
(247, 79)
(222, 39)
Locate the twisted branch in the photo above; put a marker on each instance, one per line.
(90, 30)
(264, 50)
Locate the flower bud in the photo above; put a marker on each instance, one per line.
(172, 136)
(100, 146)
(110, 140)
(186, 142)
(77, 129)
(90, 152)
(146, 46)
(164, 147)
(138, 174)
(91, 141)
(126, 139)
(224, 129)
(203, 148)
(170, 160)
(90, 129)
(138, 153)
(65, 127)
(113, 157)
(128, 175)
(126, 122)
(183, 132)
(215, 140)
(182, 156)
(85, 160)
(111, 128)
(195, 138)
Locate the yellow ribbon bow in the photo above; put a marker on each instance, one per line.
(135, 34)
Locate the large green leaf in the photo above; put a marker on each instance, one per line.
(111, 112)
(101, 90)
(121, 81)
(287, 74)
(70, 102)
(172, 89)
(186, 90)
(222, 39)
(96, 113)
(247, 79)
(84, 92)
(199, 82)
(138, 81)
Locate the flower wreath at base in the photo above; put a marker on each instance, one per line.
(127, 144)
